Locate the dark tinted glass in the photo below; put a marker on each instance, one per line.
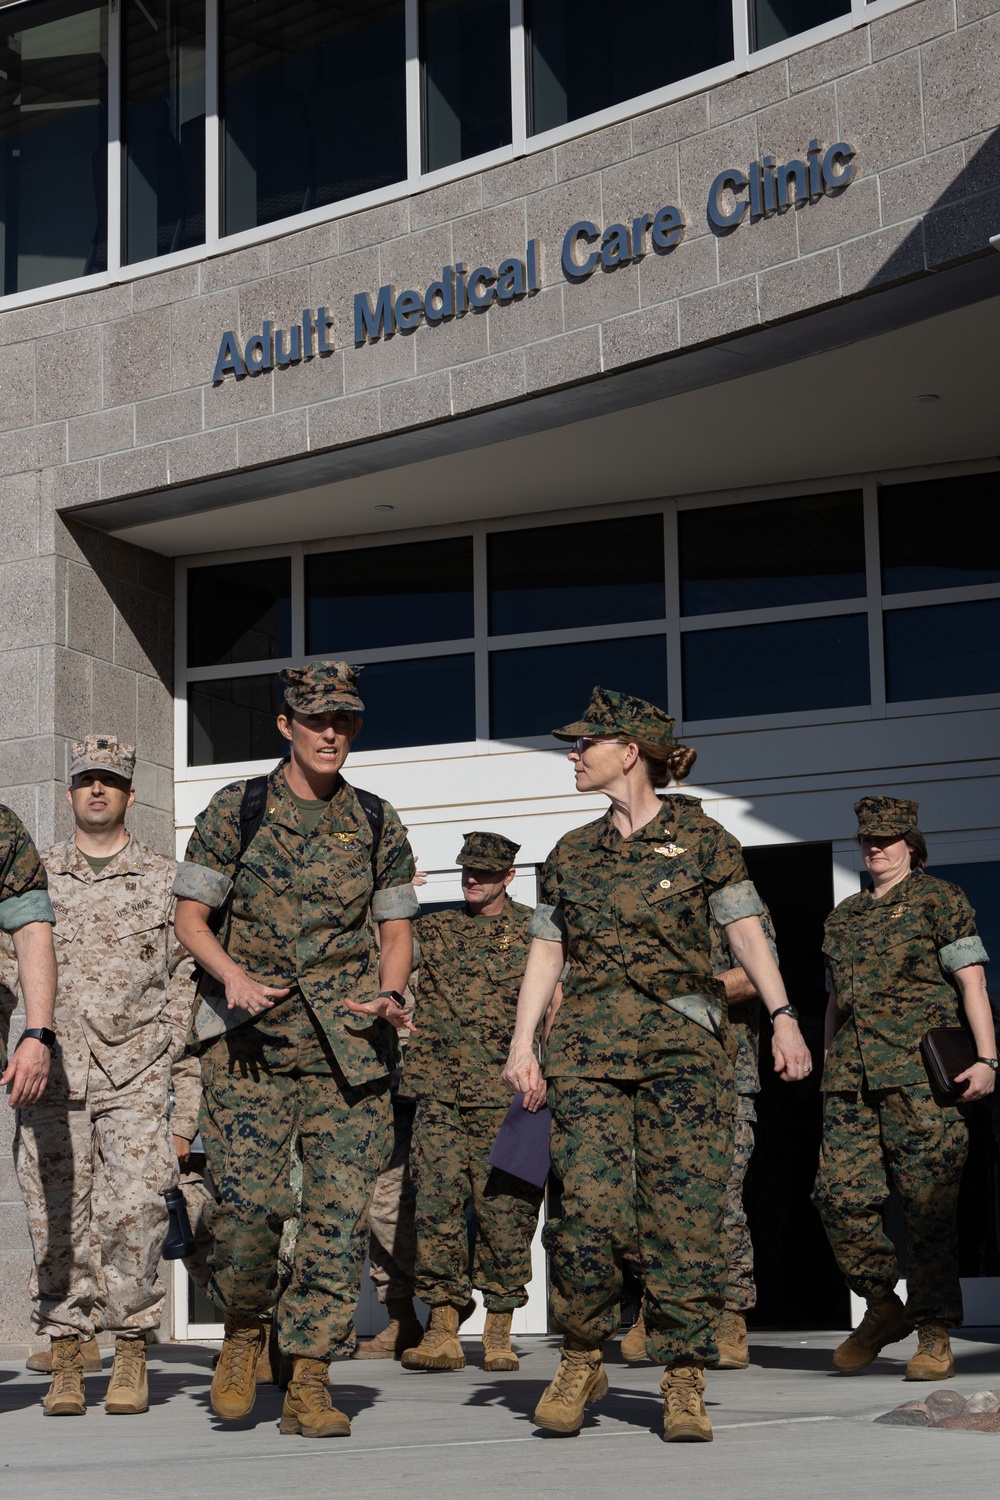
(53, 142)
(944, 651)
(774, 20)
(536, 690)
(940, 534)
(585, 55)
(389, 596)
(239, 612)
(787, 667)
(314, 104)
(466, 52)
(601, 573)
(798, 551)
(234, 719)
(981, 883)
(163, 103)
(431, 701)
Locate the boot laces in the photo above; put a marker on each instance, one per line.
(574, 1369)
(877, 1314)
(929, 1338)
(128, 1365)
(241, 1364)
(496, 1335)
(65, 1379)
(682, 1395)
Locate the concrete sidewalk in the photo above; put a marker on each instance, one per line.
(787, 1427)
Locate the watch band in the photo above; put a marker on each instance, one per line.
(391, 995)
(39, 1034)
(990, 1062)
(785, 1010)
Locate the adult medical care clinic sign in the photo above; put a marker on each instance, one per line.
(765, 188)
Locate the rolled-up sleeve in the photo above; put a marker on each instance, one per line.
(395, 903)
(199, 883)
(548, 923)
(18, 911)
(735, 901)
(960, 954)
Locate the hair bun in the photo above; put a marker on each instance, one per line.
(682, 758)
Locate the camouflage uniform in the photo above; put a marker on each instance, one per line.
(185, 1084)
(308, 1068)
(392, 1245)
(471, 969)
(23, 899)
(95, 1152)
(636, 1061)
(889, 964)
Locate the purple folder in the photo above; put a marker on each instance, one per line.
(522, 1144)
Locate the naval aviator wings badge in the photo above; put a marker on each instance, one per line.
(670, 850)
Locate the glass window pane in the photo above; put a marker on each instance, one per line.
(54, 141)
(981, 883)
(430, 701)
(791, 666)
(535, 690)
(553, 577)
(163, 104)
(314, 104)
(239, 612)
(585, 56)
(389, 596)
(234, 718)
(939, 534)
(773, 552)
(774, 20)
(466, 53)
(944, 651)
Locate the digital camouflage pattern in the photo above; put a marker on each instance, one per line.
(451, 1146)
(392, 1249)
(322, 687)
(885, 817)
(23, 898)
(92, 1173)
(185, 1085)
(636, 915)
(906, 1136)
(741, 1289)
(487, 851)
(610, 712)
(890, 963)
(300, 914)
(679, 1126)
(272, 1087)
(744, 1017)
(102, 752)
(467, 984)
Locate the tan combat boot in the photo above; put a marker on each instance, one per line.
(234, 1384)
(439, 1348)
(308, 1409)
(580, 1378)
(405, 1331)
(633, 1345)
(496, 1343)
(128, 1388)
(731, 1338)
(64, 1397)
(933, 1359)
(885, 1322)
(41, 1363)
(685, 1419)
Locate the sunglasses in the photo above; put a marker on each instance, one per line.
(583, 742)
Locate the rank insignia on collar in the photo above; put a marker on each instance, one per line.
(670, 850)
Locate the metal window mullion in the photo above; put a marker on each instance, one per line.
(672, 589)
(574, 634)
(298, 604)
(480, 628)
(213, 127)
(873, 573)
(742, 33)
(968, 593)
(115, 147)
(180, 671)
(518, 78)
(414, 103)
(821, 609)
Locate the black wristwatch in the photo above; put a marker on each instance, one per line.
(990, 1062)
(785, 1010)
(39, 1034)
(391, 995)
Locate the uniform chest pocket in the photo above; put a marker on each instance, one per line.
(64, 931)
(678, 887)
(263, 868)
(141, 936)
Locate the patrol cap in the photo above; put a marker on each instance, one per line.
(487, 851)
(611, 713)
(102, 752)
(885, 817)
(321, 687)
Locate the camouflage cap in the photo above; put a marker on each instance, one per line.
(609, 712)
(487, 851)
(102, 752)
(322, 686)
(885, 817)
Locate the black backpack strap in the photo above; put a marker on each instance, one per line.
(374, 810)
(252, 809)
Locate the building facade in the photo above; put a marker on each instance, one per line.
(506, 348)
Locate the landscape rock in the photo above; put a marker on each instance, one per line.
(978, 1421)
(982, 1401)
(943, 1404)
(912, 1414)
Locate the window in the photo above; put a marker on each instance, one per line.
(939, 534)
(585, 56)
(535, 690)
(790, 666)
(239, 612)
(798, 551)
(466, 76)
(776, 20)
(54, 134)
(163, 108)
(389, 596)
(314, 104)
(234, 718)
(430, 700)
(942, 651)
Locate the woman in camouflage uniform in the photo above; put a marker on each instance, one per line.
(902, 959)
(637, 1060)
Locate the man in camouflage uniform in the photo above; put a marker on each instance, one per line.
(28, 962)
(299, 1015)
(185, 1085)
(93, 1157)
(471, 967)
(902, 959)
